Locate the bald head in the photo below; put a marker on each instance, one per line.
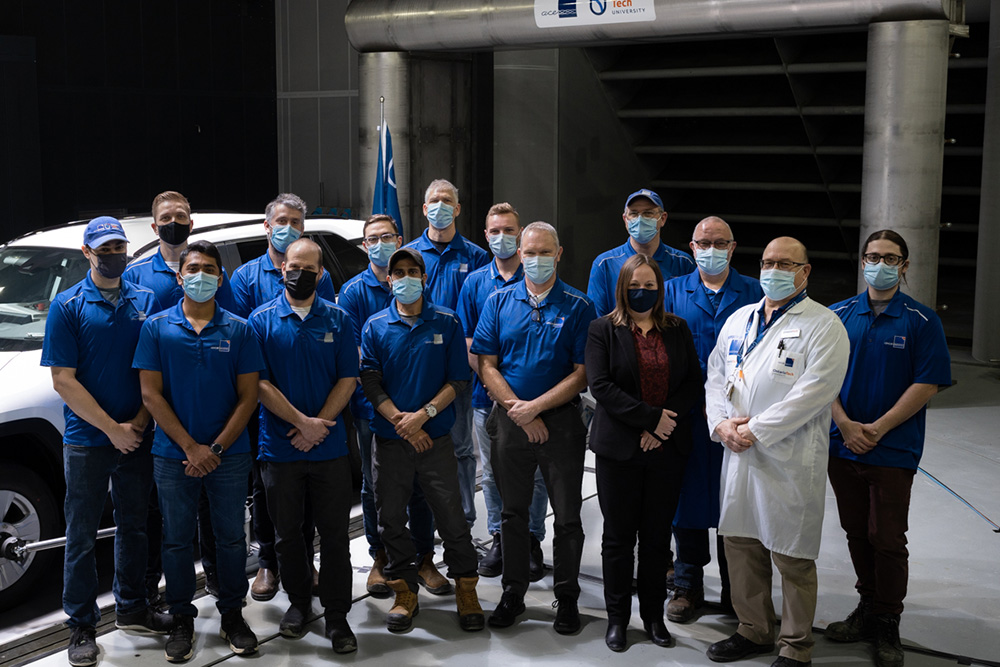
(305, 254)
(712, 226)
(785, 248)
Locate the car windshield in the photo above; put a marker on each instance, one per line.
(29, 279)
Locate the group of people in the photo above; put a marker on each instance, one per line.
(720, 400)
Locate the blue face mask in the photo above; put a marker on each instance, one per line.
(539, 269)
(778, 285)
(712, 261)
(503, 245)
(880, 276)
(283, 236)
(200, 286)
(643, 229)
(407, 290)
(440, 215)
(380, 253)
(641, 300)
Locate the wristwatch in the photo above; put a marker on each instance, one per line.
(431, 410)
(216, 449)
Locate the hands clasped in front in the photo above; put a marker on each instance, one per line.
(664, 428)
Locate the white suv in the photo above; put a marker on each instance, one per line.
(33, 269)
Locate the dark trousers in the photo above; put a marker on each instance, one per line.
(638, 499)
(874, 503)
(693, 554)
(560, 459)
(328, 485)
(395, 465)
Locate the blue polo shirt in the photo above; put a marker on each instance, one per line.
(199, 372)
(902, 346)
(259, 281)
(448, 269)
(361, 297)
(415, 362)
(86, 332)
(478, 286)
(304, 359)
(534, 356)
(153, 273)
(604, 272)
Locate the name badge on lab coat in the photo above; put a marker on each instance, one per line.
(786, 368)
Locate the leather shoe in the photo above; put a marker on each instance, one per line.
(615, 636)
(265, 585)
(657, 631)
(784, 661)
(567, 616)
(536, 562)
(736, 647)
(340, 636)
(293, 623)
(510, 606)
(492, 563)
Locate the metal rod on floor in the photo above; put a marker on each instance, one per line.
(996, 528)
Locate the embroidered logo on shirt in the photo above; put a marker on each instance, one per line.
(897, 342)
(328, 337)
(557, 322)
(139, 316)
(463, 268)
(438, 339)
(223, 346)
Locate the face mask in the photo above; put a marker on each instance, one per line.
(641, 300)
(880, 276)
(440, 215)
(539, 269)
(283, 236)
(174, 233)
(111, 266)
(643, 229)
(503, 245)
(380, 253)
(300, 284)
(200, 286)
(712, 261)
(778, 285)
(407, 290)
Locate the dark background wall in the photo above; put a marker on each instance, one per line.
(134, 98)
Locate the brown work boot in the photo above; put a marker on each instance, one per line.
(265, 585)
(429, 576)
(684, 603)
(470, 613)
(376, 576)
(404, 608)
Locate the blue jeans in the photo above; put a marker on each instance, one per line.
(421, 518)
(539, 499)
(87, 471)
(226, 488)
(693, 555)
(465, 453)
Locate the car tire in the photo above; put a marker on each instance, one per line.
(28, 510)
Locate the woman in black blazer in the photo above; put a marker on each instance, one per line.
(643, 371)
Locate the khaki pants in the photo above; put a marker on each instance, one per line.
(750, 582)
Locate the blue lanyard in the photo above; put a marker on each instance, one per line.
(762, 330)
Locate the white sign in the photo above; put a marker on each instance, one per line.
(567, 13)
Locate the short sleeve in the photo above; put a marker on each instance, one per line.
(369, 349)
(60, 347)
(458, 360)
(347, 349)
(932, 362)
(147, 351)
(597, 288)
(467, 311)
(349, 303)
(259, 329)
(585, 316)
(240, 286)
(251, 359)
(485, 339)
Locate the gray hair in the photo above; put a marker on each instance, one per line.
(440, 183)
(540, 226)
(285, 199)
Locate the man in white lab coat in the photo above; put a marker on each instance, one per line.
(775, 371)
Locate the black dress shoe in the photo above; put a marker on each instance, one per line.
(536, 563)
(615, 636)
(511, 604)
(657, 631)
(567, 616)
(492, 563)
(736, 647)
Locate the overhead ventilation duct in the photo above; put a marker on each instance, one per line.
(447, 25)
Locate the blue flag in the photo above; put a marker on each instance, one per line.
(386, 199)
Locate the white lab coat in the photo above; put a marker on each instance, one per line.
(775, 491)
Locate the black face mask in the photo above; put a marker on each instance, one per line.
(174, 233)
(113, 265)
(641, 300)
(300, 284)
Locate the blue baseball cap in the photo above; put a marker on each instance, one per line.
(101, 230)
(648, 194)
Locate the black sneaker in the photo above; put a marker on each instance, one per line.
(492, 563)
(145, 621)
(511, 605)
(567, 616)
(340, 636)
(857, 626)
(536, 564)
(82, 650)
(242, 640)
(293, 623)
(736, 647)
(888, 649)
(180, 643)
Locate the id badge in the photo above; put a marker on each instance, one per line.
(786, 368)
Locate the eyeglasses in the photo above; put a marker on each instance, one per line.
(720, 244)
(784, 265)
(875, 258)
(651, 213)
(384, 238)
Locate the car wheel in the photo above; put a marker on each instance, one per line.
(28, 511)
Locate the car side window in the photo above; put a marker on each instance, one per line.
(342, 259)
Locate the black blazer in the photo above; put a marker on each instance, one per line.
(620, 416)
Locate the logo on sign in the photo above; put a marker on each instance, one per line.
(565, 13)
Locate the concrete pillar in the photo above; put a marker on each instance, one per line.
(904, 143)
(986, 316)
(385, 75)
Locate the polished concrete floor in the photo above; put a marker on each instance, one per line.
(952, 614)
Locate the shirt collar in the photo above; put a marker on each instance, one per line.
(457, 242)
(893, 309)
(661, 250)
(176, 316)
(556, 295)
(495, 272)
(93, 294)
(427, 312)
(369, 278)
(284, 308)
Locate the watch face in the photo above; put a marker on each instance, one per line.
(216, 449)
